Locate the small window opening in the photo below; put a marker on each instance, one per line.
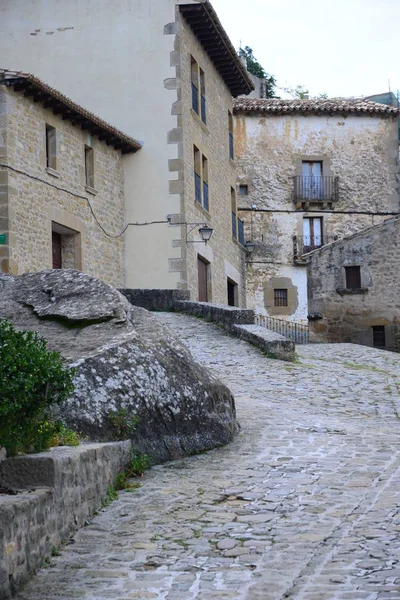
(51, 147)
(231, 141)
(243, 190)
(353, 278)
(280, 297)
(378, 336)
(89, 166)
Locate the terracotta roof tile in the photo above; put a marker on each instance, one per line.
(33, 86)
(330, 105)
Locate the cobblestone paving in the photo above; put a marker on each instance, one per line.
(304, 504)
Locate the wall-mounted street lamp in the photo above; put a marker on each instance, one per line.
(250, 246)
(204, 230)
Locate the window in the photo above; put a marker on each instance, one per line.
(312, 233)
(231, 146)
(201, 178)
(89, 167)
(312, 180)
(195, 85)
(353, 278)
(280, 297)
(234, 216)
(378, 336)
(243, 190)
(51, 147)
(199, 104)
(203, 97)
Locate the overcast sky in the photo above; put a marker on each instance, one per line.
(341, 47)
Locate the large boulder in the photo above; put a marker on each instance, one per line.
(128, 365)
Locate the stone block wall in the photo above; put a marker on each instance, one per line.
(226, 257)
(348, 315)
(155, 300)
(362, 151)
(67, 486)
(37, 199)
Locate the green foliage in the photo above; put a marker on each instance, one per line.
(110, 496)
(64, 436)
(32, 379)
(122, 424)
(255, 68)
(138, 464)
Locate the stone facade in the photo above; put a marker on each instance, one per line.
(364, 311)
(63, 488)
(358, 154)
(224, 255)
(37, 200)
(154, 104)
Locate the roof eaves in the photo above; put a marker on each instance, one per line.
(68, 109)
(226, 60)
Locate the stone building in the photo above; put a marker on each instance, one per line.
(309, 172)
(165, 72)
(60, 169)
(353, 288)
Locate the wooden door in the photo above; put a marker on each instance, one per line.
(57, 258)
(202, 271)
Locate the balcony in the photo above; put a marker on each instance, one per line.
(316, 189)
(302, 244)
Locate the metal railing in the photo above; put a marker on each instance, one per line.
(316, 189)
(241, 232)
(195, 98)
(305, 243)
(296, 332)
(234, 225)
(197, 187)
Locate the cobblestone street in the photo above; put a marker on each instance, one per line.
(304, 504)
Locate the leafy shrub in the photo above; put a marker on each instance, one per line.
(32, 379)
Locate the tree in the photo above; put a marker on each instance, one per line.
(255, 68)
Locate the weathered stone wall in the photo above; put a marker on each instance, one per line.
(349, 315)
(361, 150)
(67, 486)
(38, 197)
(225, 254)
(155, 300)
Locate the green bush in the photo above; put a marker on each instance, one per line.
(32, 379)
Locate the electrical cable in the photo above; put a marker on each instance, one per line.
(61, 189)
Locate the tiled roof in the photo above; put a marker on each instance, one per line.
(60, 104)
(208, 29)
(330, 105)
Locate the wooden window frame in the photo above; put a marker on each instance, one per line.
(201, 178)
(280, 297)
(51, 147)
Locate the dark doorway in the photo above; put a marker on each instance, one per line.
(57, 258)
(202, 270)
(232, 293)
(378, 336)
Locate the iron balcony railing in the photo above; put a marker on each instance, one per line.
(195, 98)
(241, 231)
(298, 333)
(302, 244)
(197, 187)
(316, 189)
(234, 225)
(203, 110)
